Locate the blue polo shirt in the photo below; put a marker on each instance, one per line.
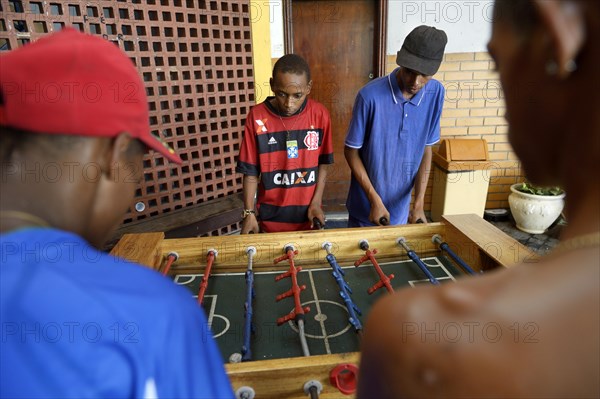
(79, 323)
(391, 133)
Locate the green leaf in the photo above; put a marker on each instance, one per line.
(529, 188)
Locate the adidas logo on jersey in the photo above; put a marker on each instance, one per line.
(272, 141)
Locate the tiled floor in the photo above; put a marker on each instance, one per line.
(540, 243)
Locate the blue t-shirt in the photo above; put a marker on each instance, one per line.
(79, 323)
(391, 134)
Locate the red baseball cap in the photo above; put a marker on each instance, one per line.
(73, 83)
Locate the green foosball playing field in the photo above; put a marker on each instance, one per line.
(327, 328)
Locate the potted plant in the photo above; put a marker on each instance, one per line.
(535, 208)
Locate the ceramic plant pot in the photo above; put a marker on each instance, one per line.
(534, 213)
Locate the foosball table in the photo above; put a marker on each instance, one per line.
(287, 309)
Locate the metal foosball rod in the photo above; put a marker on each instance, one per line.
(437, 239)
(413, 256)
(210, 258)
(297, 314)
(384, 281)
(246, 352)
(302, 334)
(345, 290)
(171, 258)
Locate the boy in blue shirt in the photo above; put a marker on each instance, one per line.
(395, 121)
(75, 321)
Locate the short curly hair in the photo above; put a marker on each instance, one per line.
(292, 63)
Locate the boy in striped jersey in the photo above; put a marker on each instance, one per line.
(284, 154)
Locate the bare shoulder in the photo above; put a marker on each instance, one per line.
(502, 333)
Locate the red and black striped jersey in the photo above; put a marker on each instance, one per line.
(286, 153)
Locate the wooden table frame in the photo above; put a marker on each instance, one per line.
(479, 243)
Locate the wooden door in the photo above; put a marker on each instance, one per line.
(343, 43)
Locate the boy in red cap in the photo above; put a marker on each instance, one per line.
(77, 322)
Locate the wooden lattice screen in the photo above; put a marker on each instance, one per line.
(195, 58)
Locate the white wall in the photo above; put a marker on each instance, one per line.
(276, 28)
(467, 23)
